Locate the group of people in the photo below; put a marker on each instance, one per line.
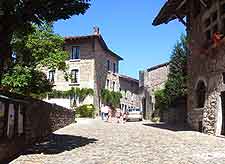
(107, 114)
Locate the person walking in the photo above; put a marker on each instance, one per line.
(118, 115)
(102, 112)
(106, 111)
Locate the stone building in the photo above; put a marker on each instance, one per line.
(152, 79)
(205, 23)
(129, 87)
(91, 65)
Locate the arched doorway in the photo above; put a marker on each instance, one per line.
(200, 94)
(200, 98)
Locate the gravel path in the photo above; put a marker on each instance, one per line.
(97, 142)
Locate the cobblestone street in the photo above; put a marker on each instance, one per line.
(97, 142)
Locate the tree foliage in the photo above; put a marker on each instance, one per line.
(40, 49)
(18, 16)
(176, 85)
(111, 98)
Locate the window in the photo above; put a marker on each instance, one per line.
(108, 65)
(75, 53)
(208, 35)
(114, 84)
(114, 67)
(209, 3)
(207, 22)
(74, 76)
(215, 28)
(51, 76)
(222, 9)
(197, 8)
(214, 16)
(223, 26)
(107, 83)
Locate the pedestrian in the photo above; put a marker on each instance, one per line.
(102, 112)
(124, 117)
(106, 111)
(118, 115)
(110, 115)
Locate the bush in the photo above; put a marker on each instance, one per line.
(85, 111)
(161, 101)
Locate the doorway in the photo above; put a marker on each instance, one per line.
(223, 112)
(144, 107)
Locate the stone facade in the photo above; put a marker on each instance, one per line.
(151, 80)
(25, 121)
(210, 72)
(206, 60)
(129, 89)
(98, 68)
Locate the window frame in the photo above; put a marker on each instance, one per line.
(76, 78)
(114, 68)
(51, 72)
(76, 56)
(108, 65)
(107, 84)
(113, 85)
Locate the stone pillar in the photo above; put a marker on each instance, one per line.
(209, 114)
(219, 117)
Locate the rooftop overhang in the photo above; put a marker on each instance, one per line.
(172, 9)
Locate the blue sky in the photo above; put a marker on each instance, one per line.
(127, 29)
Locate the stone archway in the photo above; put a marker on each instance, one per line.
(200, 94)
(200, 104)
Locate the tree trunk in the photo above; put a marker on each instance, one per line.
(5, 49)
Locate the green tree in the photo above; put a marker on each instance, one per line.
(40, 49)
(176, 85)
(19, 15)
(79, 94)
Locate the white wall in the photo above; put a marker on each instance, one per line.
(61, 102)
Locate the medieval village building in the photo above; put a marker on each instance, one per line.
(93, 65)
(150, 80)
(205, 23)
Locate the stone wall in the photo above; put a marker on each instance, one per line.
(43, 118)
(129, 89)
(205, 63)
(151, 80)
(102, 74)
(176, 113)
(39, 120)
(85, 65)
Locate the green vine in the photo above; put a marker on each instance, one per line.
(111, 98)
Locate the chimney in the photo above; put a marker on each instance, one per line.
(96, 30)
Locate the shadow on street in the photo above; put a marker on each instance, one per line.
(56, 144)
(171, 127)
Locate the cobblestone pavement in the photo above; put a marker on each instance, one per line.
(97, 142)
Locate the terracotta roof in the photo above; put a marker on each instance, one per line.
(129, 78)
(158, 66)
(170, 10)
(100, 39)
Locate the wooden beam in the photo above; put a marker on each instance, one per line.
(203, 3)
(181, 20)
(181, 4)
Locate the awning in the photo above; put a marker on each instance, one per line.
(171, 10)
